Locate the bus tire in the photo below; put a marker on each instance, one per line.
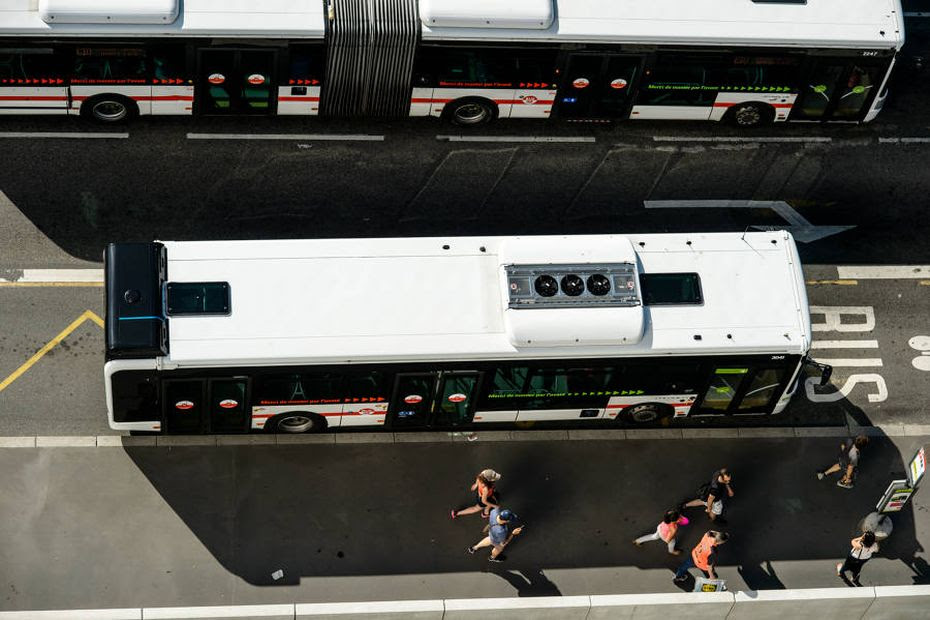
(751, 114)
(297, 422)
(470, 111)
(645, 413)
(109, 108)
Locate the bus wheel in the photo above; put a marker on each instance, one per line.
(751, 115)
(109, 108)
(470, 112)
(299, 422)
(645, 413)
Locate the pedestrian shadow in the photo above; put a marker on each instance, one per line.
(760, 576)
(528, 582)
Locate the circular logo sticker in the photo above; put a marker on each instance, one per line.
(256, 78)
(413, 399)
(456, 398)
(229, 403)
(367, 412)
(581, 83)
(184, 405)
(529, 99)
(216, 78)
(619, 84)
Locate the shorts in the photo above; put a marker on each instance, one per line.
(717, 508)
(494, 497)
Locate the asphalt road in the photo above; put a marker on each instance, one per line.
(112, 527)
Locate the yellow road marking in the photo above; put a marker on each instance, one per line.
(51, 344)
(834, 282)
(18, 284)
(924, 283)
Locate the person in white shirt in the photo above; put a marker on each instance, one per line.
(863, 548)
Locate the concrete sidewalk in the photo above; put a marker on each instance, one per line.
(163, 526)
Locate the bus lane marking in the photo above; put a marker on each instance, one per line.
(51, 277)
(87, 315)
(65, 134)
(883, 272)
(834, 322)
(588, 139)
(786, 139)
(287, 136)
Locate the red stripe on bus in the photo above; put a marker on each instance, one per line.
(505, 101)
(31, 98)
(774, 105)
(298, 98)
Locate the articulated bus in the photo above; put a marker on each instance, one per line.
(295, 336)
(749, 62)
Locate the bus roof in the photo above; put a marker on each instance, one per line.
(816, 23)
(428, 299)
(871, 24)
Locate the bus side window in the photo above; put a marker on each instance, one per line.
(765, 386)
(110, 65)
(323, 386)
(476, 68)
(135, 397)
(724, 384)
(535, 67)
(307, 65)
(370, 386)
(169, 64)
(29, 65)
(685, 81)
(280, 389)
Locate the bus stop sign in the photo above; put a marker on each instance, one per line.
(917, 468)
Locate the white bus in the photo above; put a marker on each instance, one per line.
(469, 61)
(451, 333)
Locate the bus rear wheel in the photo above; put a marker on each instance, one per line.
(298, 422)
(645, 413)
(751, 114)
(470, 112)
(109, 108)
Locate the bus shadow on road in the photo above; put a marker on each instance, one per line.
(383, 509)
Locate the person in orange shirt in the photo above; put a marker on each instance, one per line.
(703, 556)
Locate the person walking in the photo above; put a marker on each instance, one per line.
(502, 527)
(666, 531)
(848, 462)
(486, 495)
(863, 548)
(703, 556)
(713, 496)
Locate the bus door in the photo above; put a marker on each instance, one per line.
(838, 89)
(743, 390)
(195, 406)
(433, 399)
(235, 81)
(597, 86)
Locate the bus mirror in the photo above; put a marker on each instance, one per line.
(825, 373)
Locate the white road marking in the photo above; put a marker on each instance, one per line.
(799, 227)
(786, 139)
(844, 344)
(883, 272)
(864, 362)
(330, 137)
(903, 140)
(57, 275)
(517, 138)
(64, 134)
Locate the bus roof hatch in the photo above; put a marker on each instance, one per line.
(108, 11)
(524, 14)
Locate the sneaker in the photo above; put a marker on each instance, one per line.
(499, 558)
(454, 515)
(839, 570)
(820, 475)
(637, 543)
(676, 552)
(845, 485)
(470, 550)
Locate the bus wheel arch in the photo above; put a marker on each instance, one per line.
(750, 114)
(109, 108)
(294, 422)
(470, 111)
(644, 413)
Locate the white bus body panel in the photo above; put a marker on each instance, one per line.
(673, 112)
(781, 103)
(173, 100)
(531, 14)
(680, 403)
(298, 105)
(528, 415)
(483, 417)
(33, 99)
